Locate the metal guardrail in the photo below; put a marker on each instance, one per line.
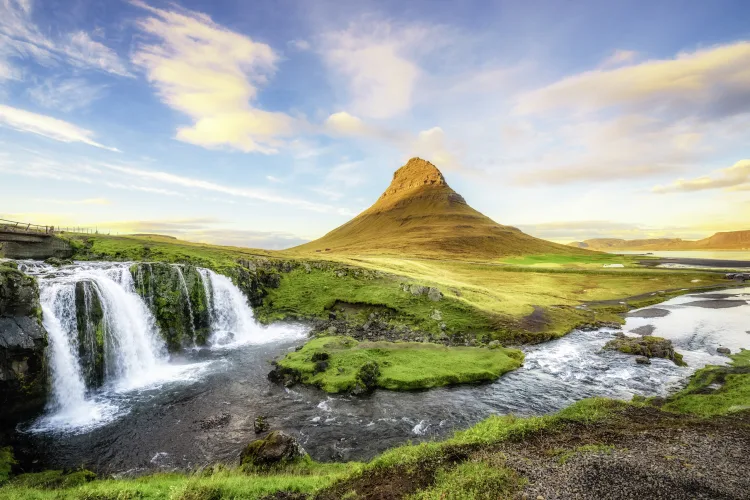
(24, 227)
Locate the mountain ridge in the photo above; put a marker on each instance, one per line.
(419, 214)
(724, 240)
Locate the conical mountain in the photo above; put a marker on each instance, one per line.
(419, 214)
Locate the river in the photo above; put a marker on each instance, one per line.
(181, 412)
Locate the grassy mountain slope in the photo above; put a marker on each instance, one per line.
(730, 240)
(420, 215)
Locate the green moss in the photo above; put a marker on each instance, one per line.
(91, 333)
(716, 390)
(181, 308)
(353, 365)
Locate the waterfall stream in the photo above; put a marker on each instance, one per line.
(104, 339)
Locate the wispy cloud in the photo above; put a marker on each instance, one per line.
(736, 177)
(212, 75)
(21, 39)
(620, 57)
(188, 182)
(47, 126)
(66, 94)
(86, 201)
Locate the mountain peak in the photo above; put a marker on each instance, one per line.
(415, 174)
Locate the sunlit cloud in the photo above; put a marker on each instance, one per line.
(736, 177)
(212, 75)
(376, 61)
(47, 126)
(707, 83)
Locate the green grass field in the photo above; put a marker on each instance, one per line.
(401, 365)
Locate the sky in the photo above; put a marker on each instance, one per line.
(267, 123)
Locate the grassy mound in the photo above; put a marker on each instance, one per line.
(341, 364)
(716, 390)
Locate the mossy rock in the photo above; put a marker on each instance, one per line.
(91, 332)
(276, 448)
(648, 346)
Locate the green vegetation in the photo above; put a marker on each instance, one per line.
(716, 390)
(177, 298)
(473, 480)
(588, 260)
(340, 364)
(6, 464)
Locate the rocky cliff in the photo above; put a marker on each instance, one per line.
(23, 382)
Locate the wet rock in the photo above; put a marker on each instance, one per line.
(215, 421)
(724, 350)
(717, 304)
(642, 360)
(276, 448)
(23, 378)
(260, 424)
(647, 346)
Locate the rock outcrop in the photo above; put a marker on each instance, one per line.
(23, 381)
(646, 346)
(276, 448)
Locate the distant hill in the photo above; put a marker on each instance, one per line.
(731, 240)
(419, 214)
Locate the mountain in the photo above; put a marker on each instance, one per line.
(730, 240)
(419, 214)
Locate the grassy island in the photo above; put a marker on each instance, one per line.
(341, 364)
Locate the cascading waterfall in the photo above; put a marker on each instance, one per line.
(104, 339)
(232, 320)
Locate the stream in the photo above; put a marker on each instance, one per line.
(161, 412)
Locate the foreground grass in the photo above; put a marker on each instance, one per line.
(340, 364)
(465, 465)
(716, 390)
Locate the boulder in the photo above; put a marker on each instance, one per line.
(724, 350)
(646, 346)
(434, 294)
(642, 360)
(276, 448)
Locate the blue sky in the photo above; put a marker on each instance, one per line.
(267, 123)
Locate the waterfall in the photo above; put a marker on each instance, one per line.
(232, 320)
(206, 280)
(126, 346)
(58, 310)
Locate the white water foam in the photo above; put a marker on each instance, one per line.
(232, 321)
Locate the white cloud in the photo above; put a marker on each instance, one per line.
(707, 83)
(188, 182)
(211, 74)
(433, 146)
(300, 45)
(65, 94)
(620, 57)
(59, 130)
(736, 177)
(376, 61)
(21, 39)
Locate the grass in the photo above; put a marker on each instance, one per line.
(400, 365)
(473, 480)
(716, 390)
